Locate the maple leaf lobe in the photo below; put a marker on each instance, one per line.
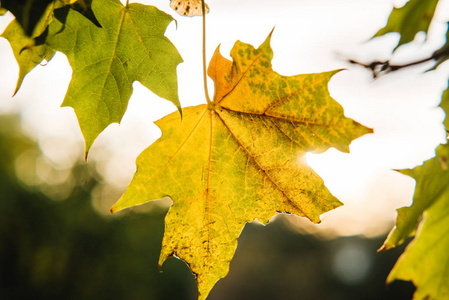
(27, 51)
(302, 100)
(408, 20)
(225, 165)
(425, 260)
(130, 46)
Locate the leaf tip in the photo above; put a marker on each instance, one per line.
(179, 110)
(15, 91)
(268, 39)
(19, 84)
(271, 32)
(88, 141)
(408, 172)
(337, 203)
(391, 241)
(382, 249)
(115, 209)
(334, 72)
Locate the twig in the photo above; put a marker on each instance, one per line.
(384, 67)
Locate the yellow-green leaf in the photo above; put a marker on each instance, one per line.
(425, 261)
(27, 52)
(27, 13)
(30, 48)
(426, 192)
(413, 17)
(130, 46)
(30, 13)
(445, 106)
(240, 158)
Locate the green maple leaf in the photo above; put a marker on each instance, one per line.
(27, 13)
(130, 46)
(427, 191)
(240, 158)
(30, 13)
(425, 261)
(413, 17)
(30, 48)
(445, 106)
(27, 52)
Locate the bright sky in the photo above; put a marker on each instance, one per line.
(309, 36)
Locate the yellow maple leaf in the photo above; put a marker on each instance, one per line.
(240, 158)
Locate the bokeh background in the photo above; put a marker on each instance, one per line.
(59, 241)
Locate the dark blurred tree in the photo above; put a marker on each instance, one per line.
(65, 250)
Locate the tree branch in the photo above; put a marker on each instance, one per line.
(379, 68)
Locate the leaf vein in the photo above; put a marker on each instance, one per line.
(256, 59)
(267, 176)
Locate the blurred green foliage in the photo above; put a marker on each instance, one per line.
(65, 250)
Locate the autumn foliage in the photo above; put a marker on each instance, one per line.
(240, 157)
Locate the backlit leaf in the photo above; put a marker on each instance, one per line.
(413, 17)
(427, 192)
(27, 52)
(445, 106)
(425, 261)
(31, 48)
(130, 46)
(240, 158)
(27, 13)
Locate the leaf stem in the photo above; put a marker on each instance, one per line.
(209, 102)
